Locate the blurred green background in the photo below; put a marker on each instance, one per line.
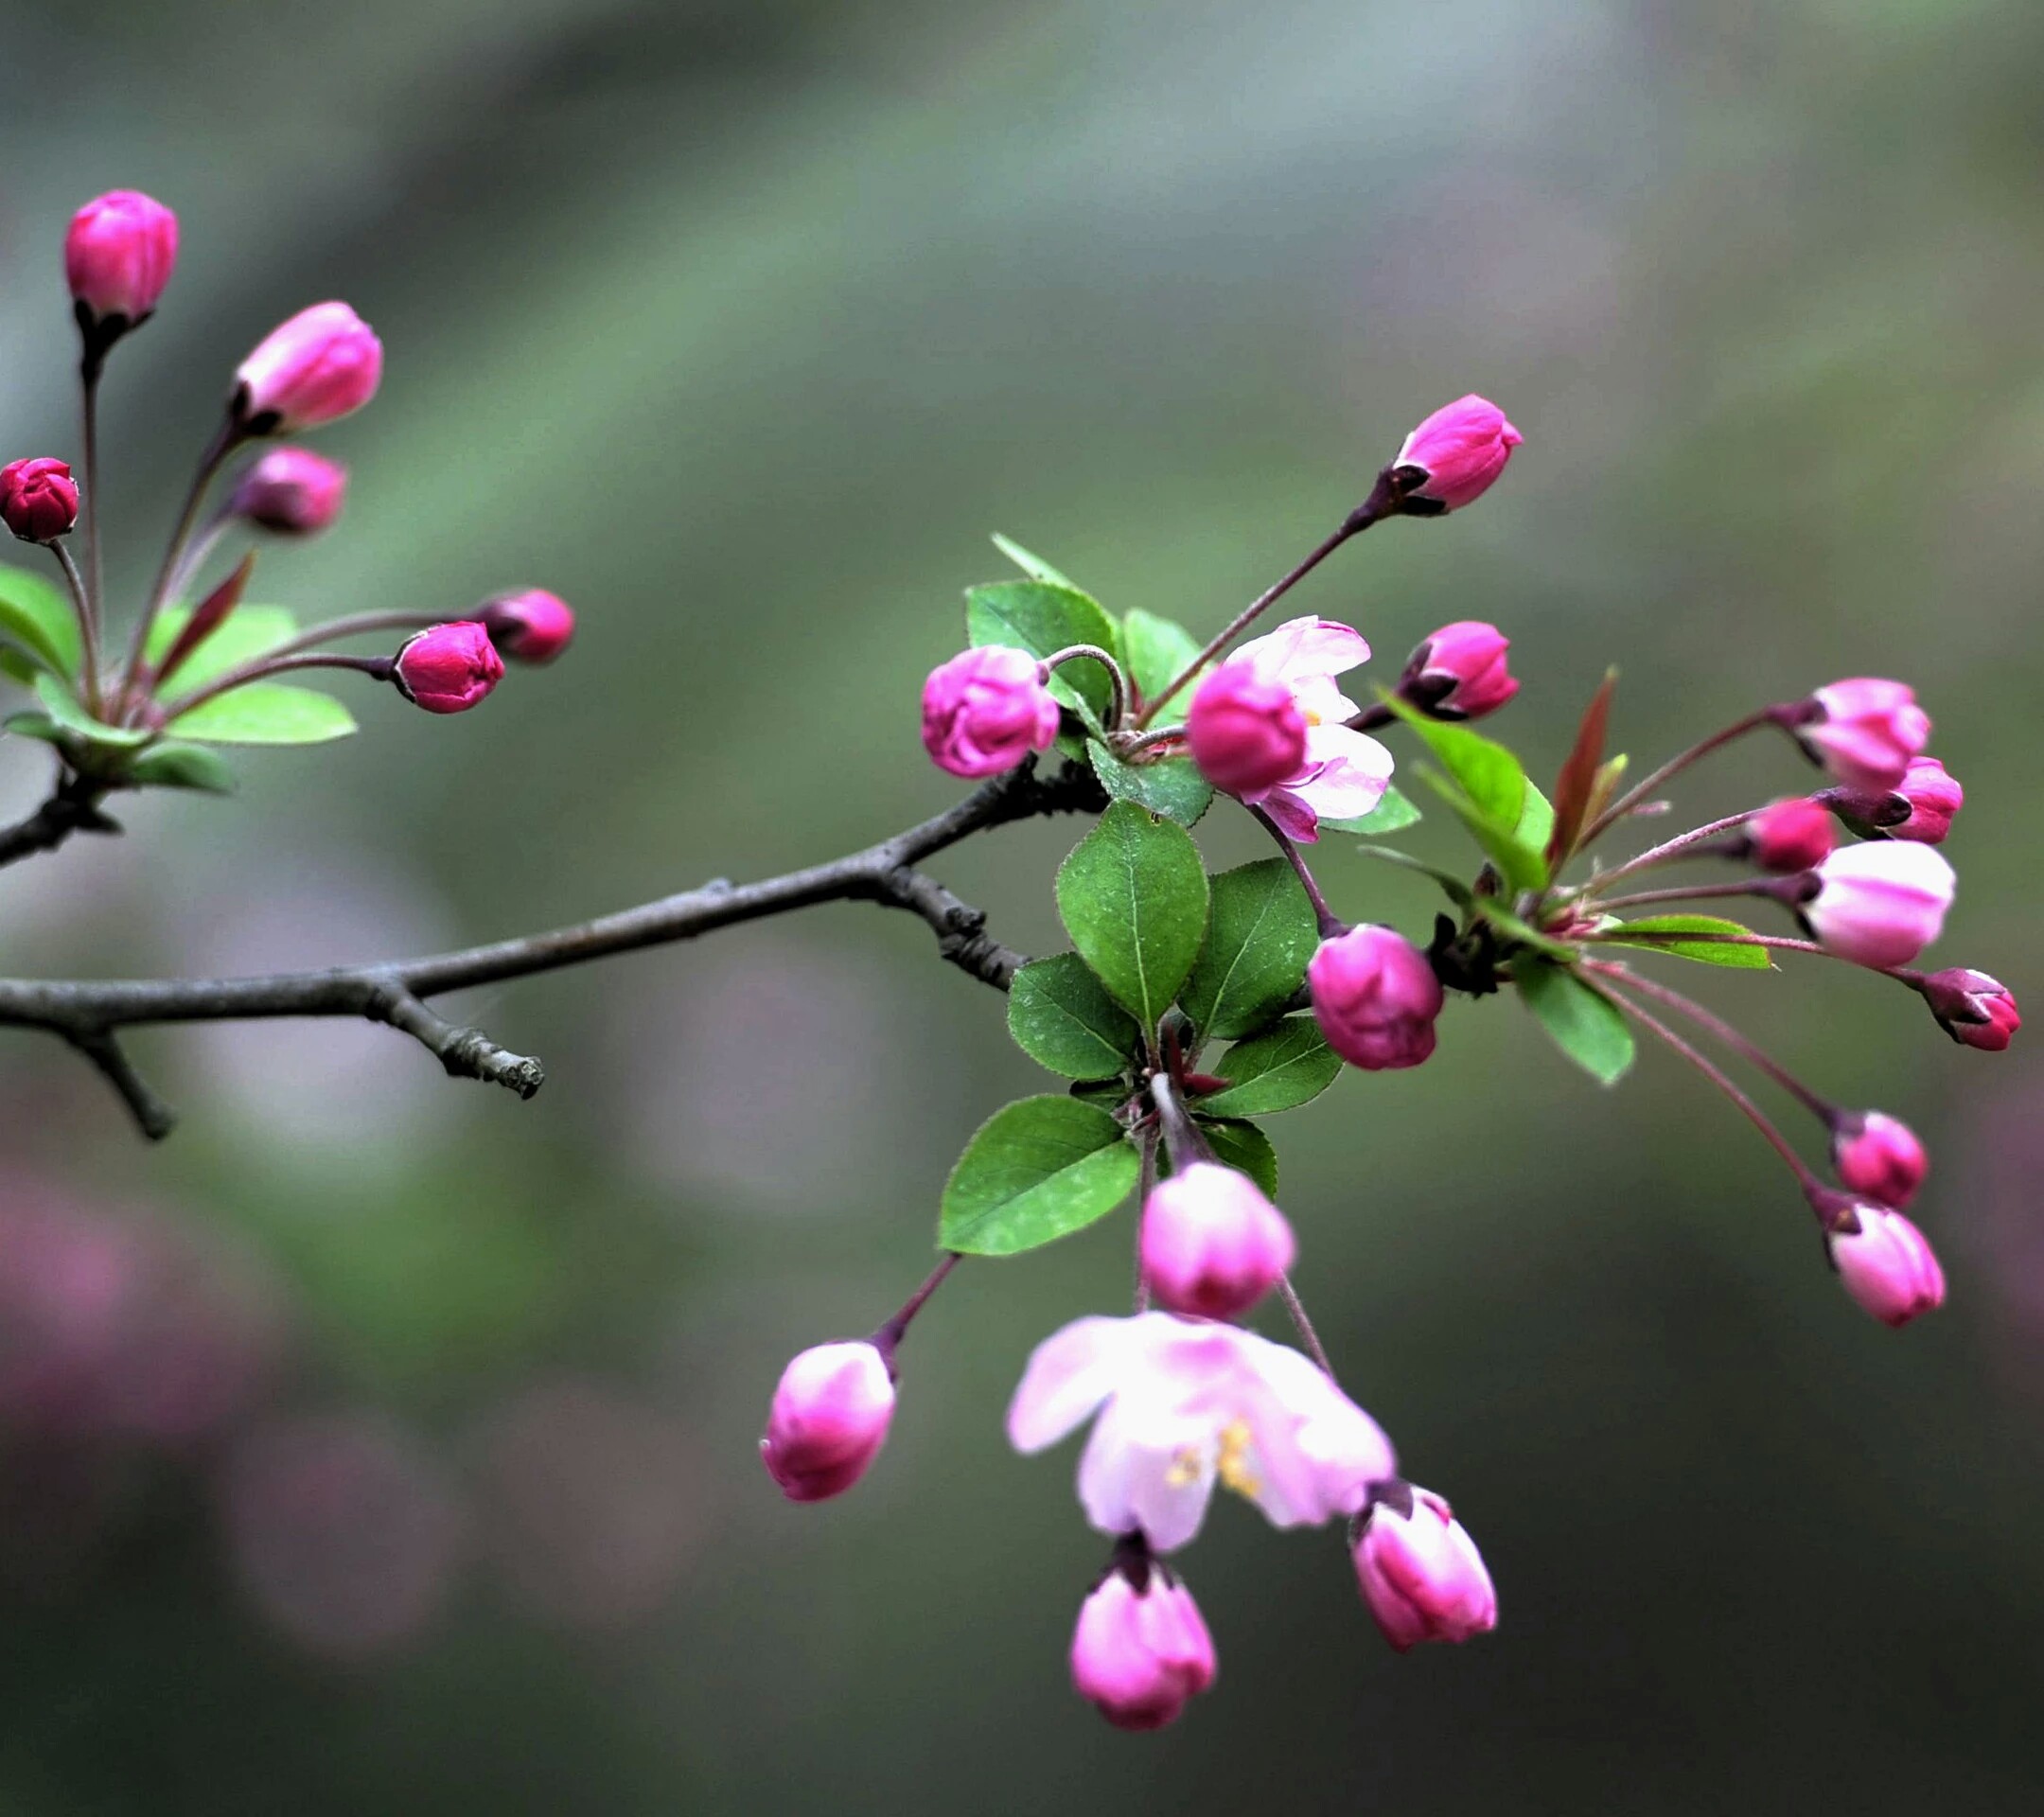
(384, 1444)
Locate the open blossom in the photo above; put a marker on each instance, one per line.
(1141, 1650)
(39, 498)
(1866, 731)
(1245, 731)
(1459, 672)
(1420, 1573)
(1791, 835)
(1975, 1010)
(1886, 1263)
(1456, 455)
(986, 710)
(1344, 772)
(829, 1418)
(1880, 904)
(1212, 1242)
(292, 491)
(120, 252)
(1376, 998)
(1879, 1157)
(1183, 1405)
(324, 364)
(449, 668)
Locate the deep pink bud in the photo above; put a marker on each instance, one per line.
(1972, 1008)
(1247, 733)
(449, 668)
(1459, 672)
(1454, 457)
(1880, 903)
(1138, 1654)
(292, 491)
(321, 365)
(1885, 1263)
(1865, 731)
(1212, 1245)
(532, 625)
(829, 1418)
(120, 252)
(1921, 806)
(1879, 1157)
(986, 710)
(39, 498)
(1420, 1573)
(1376, 998)
(1792, 836)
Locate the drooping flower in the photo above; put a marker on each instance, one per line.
(1879, 1157)
(829, 1418)
(1795, 834)
(1885, 1263)
(1865, 730)
(1921, 806)
(1459, 672)
(1454, 457)
(1376, 998)
(1975, 1010)
(1212, 1242)
(530, 626)
(1880, 903)
(986, 710)
(292, 491)
(1140, 1649)
(449, 668)
(1419, 1572)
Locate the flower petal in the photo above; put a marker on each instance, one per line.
(1069, 1374)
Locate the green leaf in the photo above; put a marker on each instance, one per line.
(1522, 865)
(1037, 1169)
(1585, 1025)
(1488, 774)
(1133, 897)
(36, 725)
(251, 631)
(175, 765)
(37, 618)
(1724, 943)
(1392, 812)
(58, 702)
(1288, 1065)
(1536, 823)
(1508, 925)
(1035, 567)
(1261, 932)
(1456, 891)
(1159, 653)
(266, 713)
(1043, 617)
(1246, 1148)
(1171, 786)
(1063, 1019)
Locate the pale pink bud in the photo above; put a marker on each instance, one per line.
(292, 491)
(449, 668)
(1376, 998)
(1459, 672)
(828, 1420)
(1212, 1245)
(1921, 806)
(1879, 1157)
(1791, 835)
(1972, 1008)
(1880, 903)
(1885, 1263)
(1137, 1655)
(120, 252)
(39, 498)
(1246, 731)
(532, 625)
(321, 365)
(986, 710)
(1864, 730)
(1420, 1573)
(1454, 457)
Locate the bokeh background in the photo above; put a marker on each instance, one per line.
(382, 1443)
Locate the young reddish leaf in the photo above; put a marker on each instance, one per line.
(1579, 776)
(211, 614)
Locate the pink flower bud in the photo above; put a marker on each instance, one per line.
(449, 668)
(321, 365)
(1454, 457)
(292, 491)
(120, 252)
(1885, 1263)
(986, 710)
(1879, 1157)
(1459, 672)
(1972, 1008)
(1880, 903)
(1246, 731)
(1212, 1245)
(1865, 730)
(1137, 1655)
(1921, 806)
(829, 1418)
(1420, 1573)
(39, 498)
(1376, 998)
(1791, 835)
(533, 625)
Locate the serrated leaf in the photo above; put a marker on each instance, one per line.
(1393, 812)
(1171, 786)
(266, 713)
(1063, 1019)
(1035, 567)
(1727, 943)
(1043, 617)
(1246, 1148)
(1585, 1025)
(1133, 895)
(1288, 1065)
(37, 618)
(251, 632)
(1261, 932)
(1159, 653)
(1036, 1171)
(59, 703)
(177, 766)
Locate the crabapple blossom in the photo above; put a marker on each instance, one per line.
(1459, 672)
(449, 668)
(1245, 731)
(1879, 1157)
(1921, 806)
(290, 491)
(829, 1418)
(39, 498)
(1885, 1263)
(120, 252)
(322, 365)
(1864, 730)
(1795, 834)
(1975, 1010)
(1140, 1649)
(1454, 457)
(1376, 998)
(531, 626)
(985, 710)
(1419, 1572)
(1212, 1242)
(1880, 903)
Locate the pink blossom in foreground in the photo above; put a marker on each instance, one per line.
(1975, 1010)
(1886, 1263)
(1879, 1157)
(39, 498)
(1212, 1242)
(1792, 836)
(1246, 733)
(1420, 1573)
(1138, 1653)
(324, 364)
(829, 1418)
(292, 491)
(120, 252)
(1921, 806)
(531, 626)
(1880, 903)
(986, 710)
(1457, 454)
(1183, 1405)
(1375, 997)
(449, 668)
(1459, 672)
(1866, 731)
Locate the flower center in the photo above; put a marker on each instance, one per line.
(1235, 1465)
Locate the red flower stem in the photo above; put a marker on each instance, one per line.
(226, 438)
(1183, 1142)
(1146, 1184)
(88, 629)
(1118, 704)
(1332, 925)
(1691, 893)
(1294, 1305)
(378, 668)
(1674, 766)
(890, 1335)
(1670, 850)
(88, 592)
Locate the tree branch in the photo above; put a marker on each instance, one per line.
(73, 807)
